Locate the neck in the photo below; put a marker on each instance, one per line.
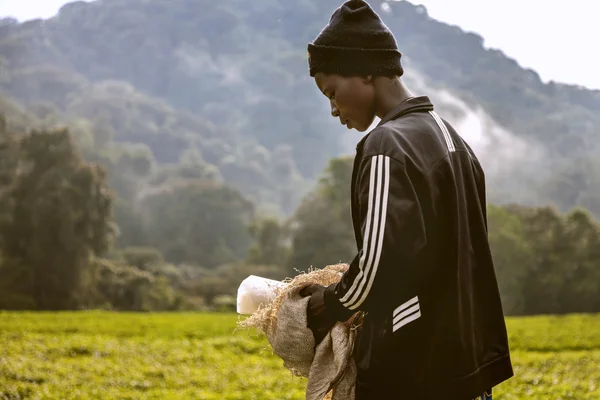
(390, 93)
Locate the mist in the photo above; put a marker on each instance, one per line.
(515, 168)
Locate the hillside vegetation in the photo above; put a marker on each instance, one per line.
(153, 154)
(228, 84)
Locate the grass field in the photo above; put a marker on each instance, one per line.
(101, 355)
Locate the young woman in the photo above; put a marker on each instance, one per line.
(424, 276)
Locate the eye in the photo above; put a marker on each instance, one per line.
(329, 96)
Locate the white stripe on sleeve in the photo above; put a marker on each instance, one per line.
(373, 240)
(369, 219)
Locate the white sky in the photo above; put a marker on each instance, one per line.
(555, 38)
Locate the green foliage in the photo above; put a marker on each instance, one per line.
(126, 288)
(111, 115)
(546, 262)
(202, 356)
(56, 212)
(565, 275)
(144, 258)
(322, 225)
(201, 222)
(16, 285)
(192, 240)
(271, 242)
(204, 119)
(512, 256)
(224, 82)
(225, 303)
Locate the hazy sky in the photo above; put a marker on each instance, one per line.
(554, 38)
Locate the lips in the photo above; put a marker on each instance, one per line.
(346, 122)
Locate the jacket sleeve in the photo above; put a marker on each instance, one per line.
(393, 232)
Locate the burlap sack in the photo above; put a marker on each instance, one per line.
(329, 368)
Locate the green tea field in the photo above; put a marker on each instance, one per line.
(103, 355)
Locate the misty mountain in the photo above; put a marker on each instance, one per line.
(225, 86)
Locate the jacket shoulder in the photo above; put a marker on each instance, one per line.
(387, 140)
(409, 139)
(375, 142)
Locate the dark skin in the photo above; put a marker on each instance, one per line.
(357, 100)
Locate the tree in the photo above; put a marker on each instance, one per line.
(198, 222)
(512, 256)
(271, 243)
(56, 213)
(581, 276)
(549, 244)
(322, 226)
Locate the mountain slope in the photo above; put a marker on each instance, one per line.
(239, 71)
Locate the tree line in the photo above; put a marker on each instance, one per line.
(67, 241)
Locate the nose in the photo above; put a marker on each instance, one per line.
(334, 111)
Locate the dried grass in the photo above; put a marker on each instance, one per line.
(265, 318)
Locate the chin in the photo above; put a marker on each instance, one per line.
(361, 128)
(364, 126)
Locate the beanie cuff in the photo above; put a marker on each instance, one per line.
(350, 61)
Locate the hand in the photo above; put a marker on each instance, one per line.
(318, 319)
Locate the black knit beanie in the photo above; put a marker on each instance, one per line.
(355, 42)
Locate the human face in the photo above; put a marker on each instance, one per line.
(352, 99)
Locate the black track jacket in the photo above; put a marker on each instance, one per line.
(434, 326)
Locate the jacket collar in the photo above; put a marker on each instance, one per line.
(410, 105)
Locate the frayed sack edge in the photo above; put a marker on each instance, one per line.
(264, 319)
